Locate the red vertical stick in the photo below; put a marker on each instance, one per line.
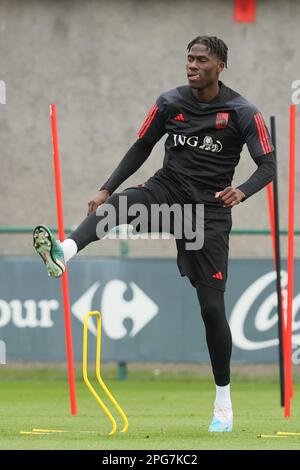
(290, 264)
(65, 284)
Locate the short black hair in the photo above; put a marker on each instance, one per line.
(215, 45)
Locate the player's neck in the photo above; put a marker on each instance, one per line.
(207, 94)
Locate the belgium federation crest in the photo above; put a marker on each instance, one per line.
(222, 120)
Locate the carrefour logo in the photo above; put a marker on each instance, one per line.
(115, 309)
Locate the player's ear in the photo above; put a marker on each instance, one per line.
(220, 67)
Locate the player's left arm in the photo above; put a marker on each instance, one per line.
(259, 144)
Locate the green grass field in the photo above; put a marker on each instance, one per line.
(169, 412)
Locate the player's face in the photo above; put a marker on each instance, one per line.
(202, 68)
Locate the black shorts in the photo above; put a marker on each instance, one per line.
(209, 265)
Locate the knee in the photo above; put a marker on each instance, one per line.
(211, 303)
(211, 312)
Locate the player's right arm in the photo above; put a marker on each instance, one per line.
(151, 131)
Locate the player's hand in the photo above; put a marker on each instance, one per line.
(230, 197)
(101, 197)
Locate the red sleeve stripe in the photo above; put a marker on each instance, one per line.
(263, 134)
(148, 120)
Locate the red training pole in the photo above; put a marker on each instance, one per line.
(65, 283)
(290, 263)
